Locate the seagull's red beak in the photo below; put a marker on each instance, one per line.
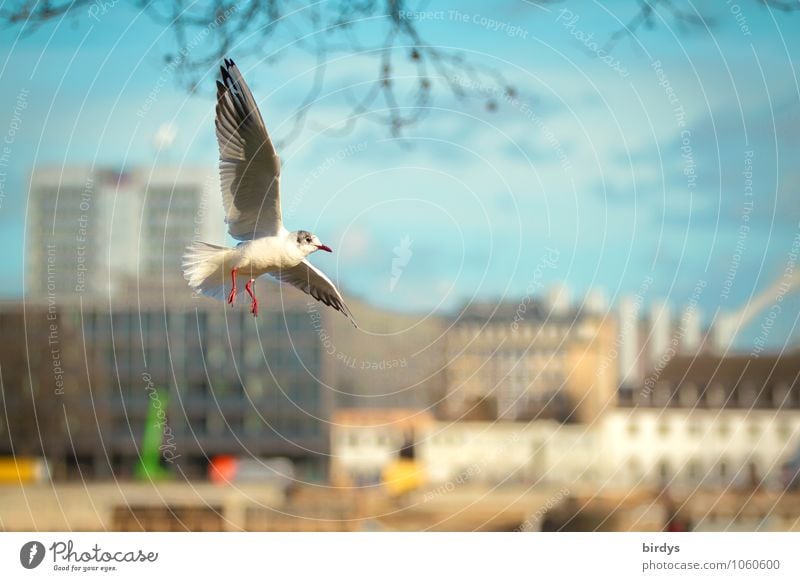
(323, 247)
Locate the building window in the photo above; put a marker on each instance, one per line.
(662, 394)
(253, 354)
(747, 395)
(663, 471)
(253, 422)
(716, 396)
(254, 387)
(688, 395)
(694, 470)
(633, 427)
(723, 470)
(783, 431)
(781, 396)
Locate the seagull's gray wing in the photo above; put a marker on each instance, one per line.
(249, 167)
(313, 282)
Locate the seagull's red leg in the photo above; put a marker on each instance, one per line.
(254, 305)
(232, 294)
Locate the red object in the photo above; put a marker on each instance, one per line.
(222, 469)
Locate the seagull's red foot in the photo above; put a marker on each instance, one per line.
(232, 294)
(254, 304)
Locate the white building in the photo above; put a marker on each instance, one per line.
(698, 447)
(541, 452)
(492, 453)
(97, 231)
(707, 422)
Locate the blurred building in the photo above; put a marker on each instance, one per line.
(544, 452)
(630, 341)
(364, 441)
(540, 452)
(235, 385)
(96, 231)
(519, 362)
(649, 340)
(40, 370)
(660, 331)
(397, 363)
(699, 423)
(707, 421)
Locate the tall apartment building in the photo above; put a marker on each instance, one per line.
(96, 232)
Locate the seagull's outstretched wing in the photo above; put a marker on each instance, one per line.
(313, 282)
(249, 167)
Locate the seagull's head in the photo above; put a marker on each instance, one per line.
(308, 242)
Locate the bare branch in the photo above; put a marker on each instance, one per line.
(205, 31)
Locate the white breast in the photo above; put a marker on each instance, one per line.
(269, 254)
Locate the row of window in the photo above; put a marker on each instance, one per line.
(721, 427)
(694, 470)
(717, 395)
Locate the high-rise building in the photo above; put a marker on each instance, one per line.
(98, 232)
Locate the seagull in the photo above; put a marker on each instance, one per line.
(250, 172)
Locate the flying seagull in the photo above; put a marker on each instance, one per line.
(250, 177)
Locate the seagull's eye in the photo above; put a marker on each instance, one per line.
(308, 240)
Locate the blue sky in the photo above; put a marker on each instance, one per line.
(483, 196)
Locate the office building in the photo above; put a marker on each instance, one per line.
(234, 385)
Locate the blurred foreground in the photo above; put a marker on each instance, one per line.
(200, 506)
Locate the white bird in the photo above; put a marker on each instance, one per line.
(250, 179)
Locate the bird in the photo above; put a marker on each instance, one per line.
(250, 171)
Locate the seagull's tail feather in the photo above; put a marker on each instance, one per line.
(204, 268)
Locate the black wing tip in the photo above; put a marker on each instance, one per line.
(226, 66)
(345, 310)
(226, 72)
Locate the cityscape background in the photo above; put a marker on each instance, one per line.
(575, 273)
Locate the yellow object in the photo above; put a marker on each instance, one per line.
(402, 476)
(16, 470)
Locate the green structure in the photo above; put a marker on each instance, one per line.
(149, 466)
